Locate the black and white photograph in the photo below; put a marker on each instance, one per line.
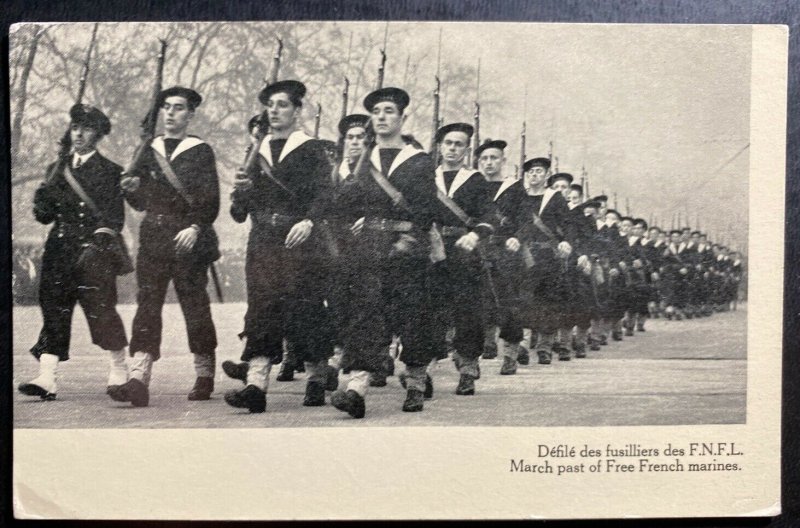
(392, 228)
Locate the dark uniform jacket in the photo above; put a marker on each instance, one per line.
(470, 190)
(167, 211)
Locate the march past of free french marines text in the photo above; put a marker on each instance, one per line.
(662, 155)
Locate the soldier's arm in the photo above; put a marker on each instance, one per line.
(113, 205)
(488, 214)
(206, 195)
(44, 202)
(319, 186)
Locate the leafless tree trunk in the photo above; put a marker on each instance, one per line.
(16, 128)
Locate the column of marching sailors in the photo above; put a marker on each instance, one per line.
(359, 254)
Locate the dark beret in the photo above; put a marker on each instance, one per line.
(536, 162)
(576, 187)
(394, 95)
(193, 99)
(490, 144)
(601, 198)
(559, 176)
(591, 203)
(453, 127)
(90, 116)
(295, 89)
(614, 212)
(352, 120)
(675, 232)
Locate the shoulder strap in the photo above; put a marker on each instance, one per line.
(454, 208)
(540, 225)
(76, 186)
(265, 168)
(397, 197)
(172, 178)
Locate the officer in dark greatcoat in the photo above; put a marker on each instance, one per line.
(286, 195)
(178, 188)
(67, 275)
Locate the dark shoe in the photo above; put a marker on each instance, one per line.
(616, 335)
(640, 327)
(509, 366)
(564, 353)
(300, 367)
(377, 380)
(203, 387)
(466, 385)
(603, 340)
(478, 367)
(32, 389)
(402, 379)
(629, 332)
(350, 402)
(315, 395)
(524, 356)
(580, 350)
(286, 373)
(428, 387)
(545, 357)
(414, 401)
(237, 371)
(251, 398)
(489, 351)
(331, 378)
(133, 391)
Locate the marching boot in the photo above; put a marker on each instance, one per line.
(428, 394)
(564, 354)
(44, 385)
(466, 385)
(594, 343)
(545, 356)
(580, 350)
(203, 387)
(389, 365)
(118, 370)
(414, 401)
(136, 390)
(315, 394)
(616, 335)
(603, 340)
(286, 373)
(524, 356)
(350, 402)
(254, 396)
(377, 379)
(640, 326)
(509, 366)
(204, 367)
(629, 332)
(237, 371)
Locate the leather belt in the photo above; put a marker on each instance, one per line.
(450, 231)
(274, 219)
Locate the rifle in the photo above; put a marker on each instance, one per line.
(65, 143)
(263, 128)
(476, 137)
(383, 58)
(520, 169)
(317, 118)
(345, 94)
(150, 120)
(435, 126)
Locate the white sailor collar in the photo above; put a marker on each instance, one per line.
(548, 194)
(461, 178)
(295, 139)
(82, 157)
(508, 182)
(344, 170)
(633, 240)
(406, 153)
(185, 144)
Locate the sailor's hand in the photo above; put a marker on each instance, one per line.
(623, 266)
(564, 249)
(469, 241)
(683, 271)
(358, 226)
(299, 233)
(242, 183)
(613, 272)
(130, 183)
(654, 276)
(186, 239)
(585, 265)
(512, 244)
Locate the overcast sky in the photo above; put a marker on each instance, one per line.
(659, 114)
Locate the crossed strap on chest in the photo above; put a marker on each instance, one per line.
(78, 189)
(172, 178)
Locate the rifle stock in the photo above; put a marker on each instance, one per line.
(150, 120)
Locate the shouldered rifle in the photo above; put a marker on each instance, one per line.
(317, 119)
(65, 143)
(150, 120)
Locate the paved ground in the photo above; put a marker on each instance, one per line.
(689, 372)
